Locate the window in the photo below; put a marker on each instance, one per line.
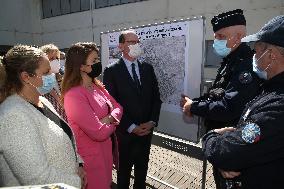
(65, 6)
(51, 8)
(128, 1)
(108, 3)
(101, 3)
(85, 5)
(114, 2)
(75, 5)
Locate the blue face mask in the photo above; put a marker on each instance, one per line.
(220, 47)
(49, 82)
(260, 73)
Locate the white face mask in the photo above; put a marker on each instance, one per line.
(135, 50)
(261, 73)
(55, 66)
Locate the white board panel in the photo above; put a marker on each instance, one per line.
(175, 49)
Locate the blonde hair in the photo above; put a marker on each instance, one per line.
(20, 58)
(49, 48)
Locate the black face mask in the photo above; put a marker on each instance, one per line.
(96, 70)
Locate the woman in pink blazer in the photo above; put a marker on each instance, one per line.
(92, 113)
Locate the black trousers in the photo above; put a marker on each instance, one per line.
(133, 150)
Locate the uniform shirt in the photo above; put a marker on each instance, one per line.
(234, 86)
(256, 147)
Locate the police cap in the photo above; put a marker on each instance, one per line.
(230, 18)
(272, 32)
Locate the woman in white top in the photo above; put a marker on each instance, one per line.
(35, 143)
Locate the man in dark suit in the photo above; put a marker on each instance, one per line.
(135, 87)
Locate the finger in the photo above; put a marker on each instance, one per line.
(146, 133)
(187, 99)
(234, 174)
(182, 100)
(223, 174)
(189, 114)
(231, 128)
(85, 184)
(231, 174)
(184, 108)
(187, 110)
(226, 175)
(142, 127)
(85, 181)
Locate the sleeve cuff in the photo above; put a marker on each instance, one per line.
(130, 129)
(113, 114)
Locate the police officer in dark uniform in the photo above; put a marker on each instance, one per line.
(235, 84)
(255, 148)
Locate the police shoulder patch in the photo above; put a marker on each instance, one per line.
(245, 77)
(251, 133)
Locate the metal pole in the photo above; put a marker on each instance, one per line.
(92, 19)
(204, 173)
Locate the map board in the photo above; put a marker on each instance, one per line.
(176, 51)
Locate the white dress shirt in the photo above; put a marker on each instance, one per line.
(129, 68)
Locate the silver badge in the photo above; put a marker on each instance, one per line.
(251, 133)
(245, 77)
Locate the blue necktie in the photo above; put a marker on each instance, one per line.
(135, 78)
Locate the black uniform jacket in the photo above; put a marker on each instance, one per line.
(234, 86)
(256, 147)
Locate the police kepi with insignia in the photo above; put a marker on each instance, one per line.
(235, 83)
(254, 150)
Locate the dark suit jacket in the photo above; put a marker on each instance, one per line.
(137, 107)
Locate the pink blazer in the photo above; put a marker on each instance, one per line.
(84, 109)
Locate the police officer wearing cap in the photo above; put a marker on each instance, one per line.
(235, 83)
(255, 148)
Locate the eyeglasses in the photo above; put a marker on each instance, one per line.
(133, 42)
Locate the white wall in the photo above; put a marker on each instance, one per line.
(17, 22)
(20, 20)
(77, 26)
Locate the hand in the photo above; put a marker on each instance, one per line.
(229, 174)
(148, 125)
(82, 175)
(182, 100)
(110, 105)
(139, 131)
(223, 130)
(187, 106)
(108, 120)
